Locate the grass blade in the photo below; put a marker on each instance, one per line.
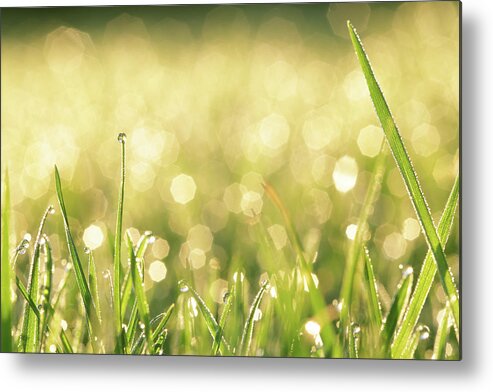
(93, 282)
(29, 339)
(398, 307)
(375, 308)
(66, 346)
(317, 300)
(210, 321)
(6, 305)
(422, 332)
(408, 175)
(356, 244)
(138, 285)
(442, 335)
(158, 331)
(246, 338)
(127, 285)
(222, 321)
(80, 278)
(120, 339)
(426, 277)
(46, 288)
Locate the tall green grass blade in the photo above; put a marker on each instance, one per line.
(408, 175)
(426, 276)
(398, 307)
(246, 338)
(441, 336)
(138, 285)
(117, 264)
(6, 282)
(222, 321)
(80, 278)
(354, 253)
(375, 308)
(354, 339)
(209, 319)
(29, 339)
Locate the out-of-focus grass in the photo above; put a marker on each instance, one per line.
(213, 110)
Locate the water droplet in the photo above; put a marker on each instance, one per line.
(147, 233)
(122, 137)
(356, 329)
(406, 270)
(424, 332)
(51, 210)
(106, 274)
(152, 239)
(226, 296)
(87, 250)
(183, 286)
(22, 250)
(27, 238)
(40, 307)
(141, 325)
(265, 283)
(64, 325)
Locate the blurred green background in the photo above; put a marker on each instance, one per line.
(216, 100)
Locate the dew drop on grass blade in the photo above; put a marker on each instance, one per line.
(426, 277)
(408, 174)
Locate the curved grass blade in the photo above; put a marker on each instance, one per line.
(158, 331)
(138, 285)
(426, 277)
(84, 291)
(29, 339)
(120, 338)
(442, 335)
(6, 305)
(409, 176)
(222, 321)
(375, 308)
(209, 319)
(246, 338)
(356, 244)
(317, 300)
(398, 307)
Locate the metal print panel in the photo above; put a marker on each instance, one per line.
(272, 180)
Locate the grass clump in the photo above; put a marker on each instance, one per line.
(282, 312)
